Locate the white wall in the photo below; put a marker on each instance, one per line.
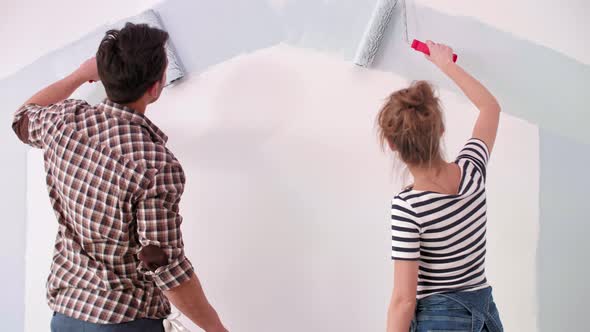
(286, 205)
(288, 188)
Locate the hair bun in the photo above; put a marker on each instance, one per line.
(417, 97)
(411, 122)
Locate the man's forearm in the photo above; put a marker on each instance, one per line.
(57, 91)
(190, 299)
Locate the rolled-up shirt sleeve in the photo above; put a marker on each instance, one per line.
(31, 121)
(158, 225)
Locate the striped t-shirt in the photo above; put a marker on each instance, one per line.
(445, 233)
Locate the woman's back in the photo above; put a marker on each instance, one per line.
(439, 234)
(446, 233)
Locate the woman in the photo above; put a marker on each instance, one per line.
(439, 222)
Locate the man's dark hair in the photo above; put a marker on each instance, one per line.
(130, 60)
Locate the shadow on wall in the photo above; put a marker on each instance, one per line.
(531, 81)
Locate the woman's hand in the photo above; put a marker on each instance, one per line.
(440, 54)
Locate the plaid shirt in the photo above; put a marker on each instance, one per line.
(115, 189)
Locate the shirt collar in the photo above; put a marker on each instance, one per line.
(131, 115)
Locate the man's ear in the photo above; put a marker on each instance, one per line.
(154, 90)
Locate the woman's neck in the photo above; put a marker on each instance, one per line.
(426, 176)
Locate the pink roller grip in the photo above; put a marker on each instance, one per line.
(422, 47)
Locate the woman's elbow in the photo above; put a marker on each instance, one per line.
(403, 304)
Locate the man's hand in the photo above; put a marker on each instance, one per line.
(190, 299)
(87, 71)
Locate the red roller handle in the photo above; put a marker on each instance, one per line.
(422, 47)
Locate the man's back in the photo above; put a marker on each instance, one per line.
(114, 187)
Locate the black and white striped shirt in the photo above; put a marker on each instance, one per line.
(445, 233)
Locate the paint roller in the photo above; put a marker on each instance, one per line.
(175, 70)
(374, 32)
(373, 35)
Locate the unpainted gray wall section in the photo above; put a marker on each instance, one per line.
(564, 249)
(12, 205)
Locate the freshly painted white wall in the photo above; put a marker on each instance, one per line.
(287, 198)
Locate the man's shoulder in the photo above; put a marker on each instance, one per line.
(141, 146)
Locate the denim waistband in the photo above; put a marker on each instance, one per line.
(479, 303)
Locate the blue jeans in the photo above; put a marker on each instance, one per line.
(62, 323)
(458, 312)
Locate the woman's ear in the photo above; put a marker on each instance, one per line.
(391, 146)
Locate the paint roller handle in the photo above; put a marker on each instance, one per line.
(422, 47)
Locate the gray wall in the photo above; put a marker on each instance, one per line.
(564, 248)
(12, 247)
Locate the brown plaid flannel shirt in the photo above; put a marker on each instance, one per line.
(115, 189)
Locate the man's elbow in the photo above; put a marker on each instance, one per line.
(153, 257)
(21, 128)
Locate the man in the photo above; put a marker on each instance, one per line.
(115, 189)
